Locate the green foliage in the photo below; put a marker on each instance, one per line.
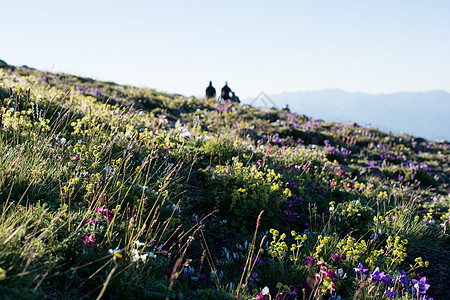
(240, 192)
(115, 191)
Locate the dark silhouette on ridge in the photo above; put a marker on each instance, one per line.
(210, 91)
(235, 98)
(225, 94)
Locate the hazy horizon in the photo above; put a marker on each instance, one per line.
(422, 114)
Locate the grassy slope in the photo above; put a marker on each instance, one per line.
(88, 166)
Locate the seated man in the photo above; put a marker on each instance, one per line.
(210, 91)
(225, 95)
(235, 98)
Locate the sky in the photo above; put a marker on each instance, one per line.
(382, 46)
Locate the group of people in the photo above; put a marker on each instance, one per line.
(226, 93)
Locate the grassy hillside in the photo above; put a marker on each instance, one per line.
(111, 191)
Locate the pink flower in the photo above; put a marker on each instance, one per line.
(336, 257)
(94, 222)
(90, 240)
(107, 214)
(330, 273)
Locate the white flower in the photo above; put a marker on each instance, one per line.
(176, 208)
(340, 273)
(109, 169)
(114, 251)
(185, 133)
(265, 291)
(135, 255)
(138, 243)
(143, 257)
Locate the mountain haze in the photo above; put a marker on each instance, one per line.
(422, 114)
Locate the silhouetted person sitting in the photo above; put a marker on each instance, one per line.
(286, 108)
(235, 98)
(225, 95)
(210, 91)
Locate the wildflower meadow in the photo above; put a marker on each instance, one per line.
(117, 192)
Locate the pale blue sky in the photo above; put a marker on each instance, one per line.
(378, 46)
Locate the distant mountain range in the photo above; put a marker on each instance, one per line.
(422, 114)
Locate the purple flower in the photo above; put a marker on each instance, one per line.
(360, 270)
(288, 213)
(377, 275)
(310, 261)
(400, 177)
(330, 273)
(258, 260)
(390, 293)
(320, 191)
(387, 279)
(298, 199)
(403, 278)
(421, 285)
(292, 184)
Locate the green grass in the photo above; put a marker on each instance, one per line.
(110, 191)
